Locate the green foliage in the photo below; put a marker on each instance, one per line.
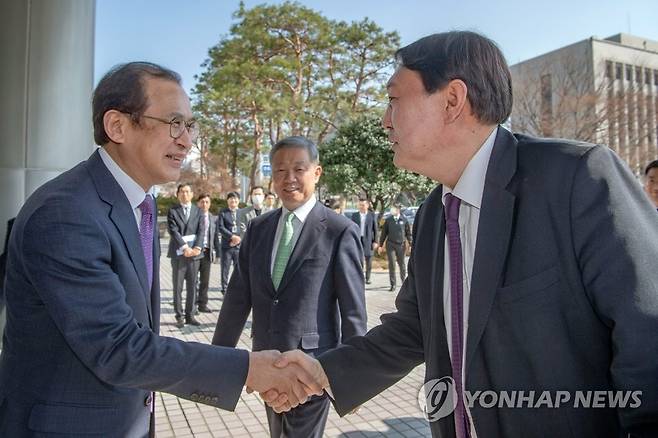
(359, 161)
(287, 70)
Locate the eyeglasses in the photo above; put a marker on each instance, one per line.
(177, 126)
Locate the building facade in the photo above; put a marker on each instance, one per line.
(597, 90)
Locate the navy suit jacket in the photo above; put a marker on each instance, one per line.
(225, 226)
(213, 238)
(179, 227)
(563, 297)
(370, 234)
(81, 350)
(321, 297)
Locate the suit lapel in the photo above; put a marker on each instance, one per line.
(314, 224)
(494, 230)
(124, 219)
(264, 246)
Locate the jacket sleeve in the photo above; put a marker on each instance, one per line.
(87, 302)
(174, 228)
(615, 240)
(366, 365)
(349, 283)
(384, 233)
(223, 226)
(237, 302)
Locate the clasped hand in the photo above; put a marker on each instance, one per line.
(285, 380)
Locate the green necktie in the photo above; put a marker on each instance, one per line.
(283, 251)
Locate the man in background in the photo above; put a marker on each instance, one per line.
(365, 220)
(395, 234)
(651, 182)
(229, 230)
(310, 294)
(270, 202)
(256, 197)
(209, 248)
(184, 248)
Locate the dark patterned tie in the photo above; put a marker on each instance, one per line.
(146, 235)
(457, 309)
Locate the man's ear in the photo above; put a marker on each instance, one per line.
(116, 124)
(456, 93)
(318, 173)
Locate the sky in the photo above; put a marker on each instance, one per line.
(178, 34)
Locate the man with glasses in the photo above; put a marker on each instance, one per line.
(82, 355)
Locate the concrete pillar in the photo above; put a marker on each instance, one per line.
(46, 87)
(45, 96)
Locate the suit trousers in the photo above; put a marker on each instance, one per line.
(368, 259)
(395, 252)
(304, 421)
(184, 269)
(204, 278)
(229, 256)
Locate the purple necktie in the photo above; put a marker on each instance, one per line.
(457, 309)
(146, 235)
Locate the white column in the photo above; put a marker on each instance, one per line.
(45, 84)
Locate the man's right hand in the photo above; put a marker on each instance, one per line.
(310, 365)
(235, 240)
(288, 386)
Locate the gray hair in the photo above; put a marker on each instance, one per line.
(297, 141)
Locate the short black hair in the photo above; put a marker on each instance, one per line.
(364, 200)
(183, 184)
(652, 165)
(203, 196)
(122, 89)
(270, 194)
(297, 141)
(470, 57)
(256, 187)
(233, 195)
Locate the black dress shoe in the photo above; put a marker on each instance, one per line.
(204, 309)
(368, 282)
(196, 312)
(179, 322)
(190, 320)
(392, 288)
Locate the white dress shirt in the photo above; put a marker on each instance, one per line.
(363, 223)
(133, 191)
(469, 189)
(300, 215)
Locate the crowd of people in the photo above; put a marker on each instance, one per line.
(533, 269)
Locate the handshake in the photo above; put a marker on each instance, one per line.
(285, 380)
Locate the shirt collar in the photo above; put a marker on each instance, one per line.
(470, 186)
(303, 210)
(134, 192)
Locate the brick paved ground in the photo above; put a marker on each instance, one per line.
(394, 413)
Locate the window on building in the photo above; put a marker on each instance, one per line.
(655, 77)
(647, 76)
(608, 69)
(629, 72)
(618, 71)
(546, 105)
(638, 75)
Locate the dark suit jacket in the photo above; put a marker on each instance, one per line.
(81, 349)
(244, 216)
(321, 298)
(225, 225)
(179, 227)
(213, 238)
(370, 232)
(563, 297)
(395, 231)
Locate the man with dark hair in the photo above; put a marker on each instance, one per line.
(651, 182)
(229, 229)
(367, 223)
(300, 272)
(396, 233)
(256, 197)
(270, 202)
(209, 249)
(82, 353)
(533, 270)
(184, 249)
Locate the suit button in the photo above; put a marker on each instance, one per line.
(194, 397)
(148, 400)
(275, 302)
